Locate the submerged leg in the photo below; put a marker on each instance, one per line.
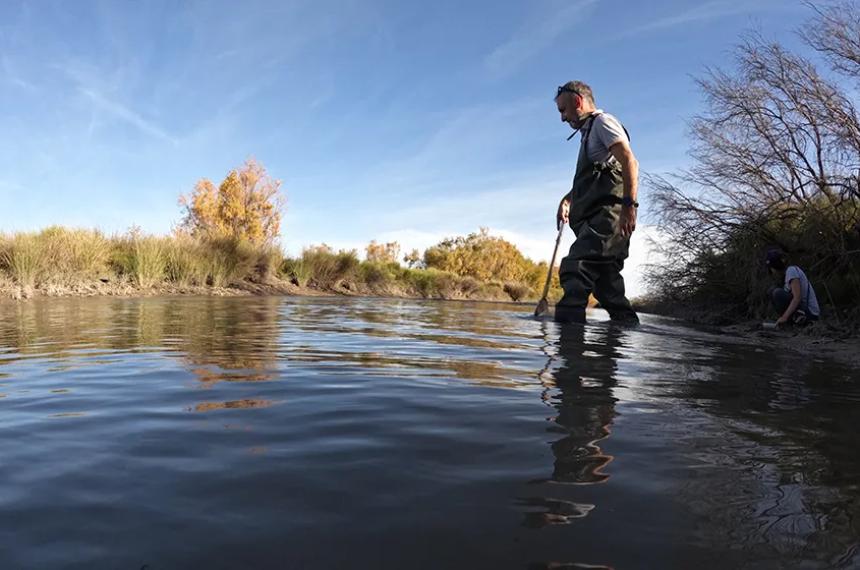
(609, 291)
(577, 277)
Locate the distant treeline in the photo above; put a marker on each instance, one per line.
(776, 164)
(477, 266)
(59, 260)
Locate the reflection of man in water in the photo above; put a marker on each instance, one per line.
(584, 401)
(582, 396)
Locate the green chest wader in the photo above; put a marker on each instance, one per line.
(596, 201)
(597, 256)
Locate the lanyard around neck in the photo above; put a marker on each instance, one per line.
(588, 119)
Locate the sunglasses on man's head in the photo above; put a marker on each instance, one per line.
(565, 89)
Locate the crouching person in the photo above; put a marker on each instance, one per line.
(795, 302)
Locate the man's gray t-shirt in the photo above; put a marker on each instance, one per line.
(807, 293)
(603, 131)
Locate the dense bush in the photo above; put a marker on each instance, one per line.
(481, 256)
(775, 164)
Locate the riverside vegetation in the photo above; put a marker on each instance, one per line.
(227, 243)
(62, 261)
(776, 157)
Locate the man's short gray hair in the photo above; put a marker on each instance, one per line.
(578, 87)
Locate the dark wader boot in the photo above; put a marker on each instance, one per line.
(597, 256)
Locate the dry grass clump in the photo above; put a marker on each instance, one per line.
(23, 257)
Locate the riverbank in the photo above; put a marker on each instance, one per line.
(825, 338)
(10, 290)
(836, 335)
(273, 286)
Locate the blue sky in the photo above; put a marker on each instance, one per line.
(384, 119)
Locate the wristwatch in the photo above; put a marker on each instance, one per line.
(628, 201)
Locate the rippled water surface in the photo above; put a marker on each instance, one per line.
(369, 433)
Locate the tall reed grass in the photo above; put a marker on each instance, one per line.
(142, 258)
(74, 255)
(184, 261)
(22, 256)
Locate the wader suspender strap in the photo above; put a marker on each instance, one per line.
(584, 148)
(590, 125)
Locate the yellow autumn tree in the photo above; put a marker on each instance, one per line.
(481, 256)
(413, 258)
(382, 252)
(246, 205)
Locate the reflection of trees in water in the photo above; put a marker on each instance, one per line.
(448, 322)
(43, 328)
(240, 339)
(418, 342)
(390, 364)
(220, 339)
(231, 405)
(227, 341)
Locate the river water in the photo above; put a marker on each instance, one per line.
(371, 433)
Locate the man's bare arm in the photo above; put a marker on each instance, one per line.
(629, 167)
(630, 175)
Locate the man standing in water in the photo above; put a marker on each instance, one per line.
(600, 207)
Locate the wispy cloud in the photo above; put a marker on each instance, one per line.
(535, 36)
(90, 83)
(706, 12)
(123, 113)
(460, 143)
(526, 203)
(13, 78)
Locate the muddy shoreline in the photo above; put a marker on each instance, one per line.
(13, 293)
